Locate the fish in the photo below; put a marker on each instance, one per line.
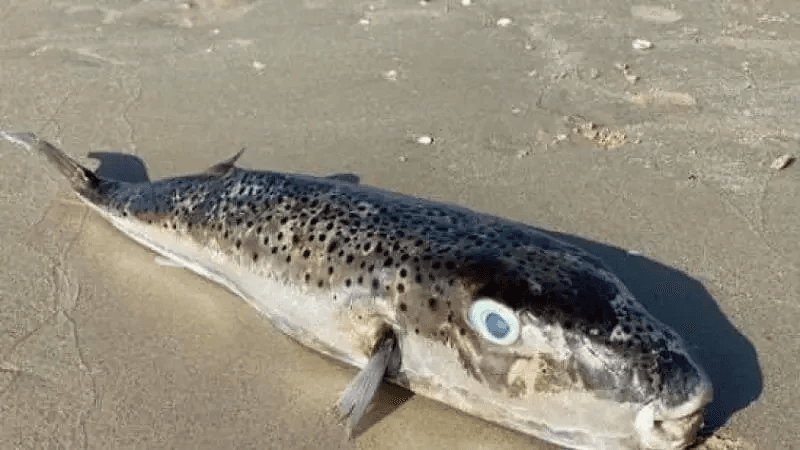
(495, 318)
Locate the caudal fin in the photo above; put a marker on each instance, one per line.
(81, 178)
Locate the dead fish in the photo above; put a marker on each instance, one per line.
(492, 317)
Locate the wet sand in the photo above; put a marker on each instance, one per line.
(551, 117)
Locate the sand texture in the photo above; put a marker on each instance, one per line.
(661, 159)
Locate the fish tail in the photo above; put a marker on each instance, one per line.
(82, 179)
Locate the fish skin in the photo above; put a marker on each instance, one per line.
(364, 259)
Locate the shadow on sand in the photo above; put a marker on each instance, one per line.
(670, 295)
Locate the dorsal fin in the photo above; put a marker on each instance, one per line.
(222, 168)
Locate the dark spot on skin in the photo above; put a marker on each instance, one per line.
(295, 239)
(349, 259)
(274, 250)
(416, 330)
(330, 270)
(280, 235)
(347, 282)
(238, 244)
(450, 317)
(403, 307)
(418, 278)
(401, 287)
(320, 283)
(266, 240)
(462, 331)
(375, 283)
(306, 253)
(255, 256)
(367, 246)
(289, 258)
(308, 277)
(433, 304)
(403, 273)
(360, 280)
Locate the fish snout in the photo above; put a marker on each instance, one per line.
(673, 419)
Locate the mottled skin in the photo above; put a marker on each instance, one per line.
(329, 233)
(430, 261)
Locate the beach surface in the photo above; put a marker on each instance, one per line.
(651, 134)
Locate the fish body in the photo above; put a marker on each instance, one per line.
(492, 317)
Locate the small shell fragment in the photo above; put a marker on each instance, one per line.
(641, 44)
(632, 79)
(782, 162)
(258, 65)
(503, 22)
(425, 140)
(390, 75)
(364, 21)
(466, 2)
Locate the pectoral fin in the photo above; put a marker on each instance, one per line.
(362, 389)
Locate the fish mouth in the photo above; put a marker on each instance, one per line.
(662, 427)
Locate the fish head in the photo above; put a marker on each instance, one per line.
(567, 353)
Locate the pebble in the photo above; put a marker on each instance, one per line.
(641, 44)
(503, 22)
(425, 140)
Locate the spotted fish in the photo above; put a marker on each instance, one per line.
(492, 317)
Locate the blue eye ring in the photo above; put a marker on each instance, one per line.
(494, 321)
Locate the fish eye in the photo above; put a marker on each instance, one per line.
(494, 321)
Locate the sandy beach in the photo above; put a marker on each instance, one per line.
(647, 133)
